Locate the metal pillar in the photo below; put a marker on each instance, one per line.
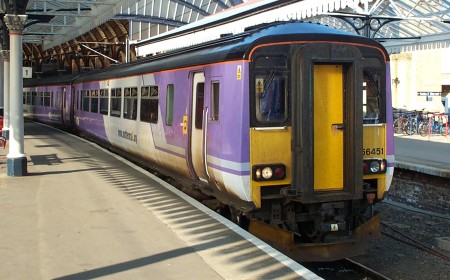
(6, 113)
(2, 74)
(16, 160)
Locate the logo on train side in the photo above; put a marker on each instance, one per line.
(53, 116)
(127, 135)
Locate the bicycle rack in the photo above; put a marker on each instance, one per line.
(442, 121)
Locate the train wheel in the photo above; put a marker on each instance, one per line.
(309, 233)
(238, 217)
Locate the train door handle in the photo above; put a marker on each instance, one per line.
(184, 125)
(338, 126)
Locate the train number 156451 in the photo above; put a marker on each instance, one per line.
(373, 151)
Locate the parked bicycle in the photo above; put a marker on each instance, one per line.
(406, 121)
(436, 124)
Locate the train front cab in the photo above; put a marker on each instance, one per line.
(310, 176)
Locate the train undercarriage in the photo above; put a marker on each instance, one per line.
(315, 232)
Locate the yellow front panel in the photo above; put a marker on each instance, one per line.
(328, 140)
(270, 147)
(374, 146)
(374, 141)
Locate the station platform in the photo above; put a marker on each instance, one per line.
(429, 155)
(84, 213)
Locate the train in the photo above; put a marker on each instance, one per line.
(285, 127)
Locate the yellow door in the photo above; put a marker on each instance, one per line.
(328, 128)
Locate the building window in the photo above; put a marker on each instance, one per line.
(215, 86)
(130, 103)
(149, 104)
(169, 104)
(116, 102)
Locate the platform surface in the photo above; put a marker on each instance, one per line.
(83, 213)
(430, 155)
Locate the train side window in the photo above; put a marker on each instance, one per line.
(116, 96)
(30, 98)
(86, 100)
(46, 99)
(57, 99)
(104, 102)
(130, 103)
(270, 88)
(271, 95)
(77, 101)
(169, 104)
(94, 101)
(215, 87)
(149, 104)
(64, 97)
(199, 105)
(371, 97)
(24, 97)
(34, 98)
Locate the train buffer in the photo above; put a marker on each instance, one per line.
(83, 213)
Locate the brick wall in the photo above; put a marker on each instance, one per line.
(426, 192)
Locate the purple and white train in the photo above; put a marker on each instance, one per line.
(286, 125)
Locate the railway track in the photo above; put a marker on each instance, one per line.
(404, 238)
(344, 269)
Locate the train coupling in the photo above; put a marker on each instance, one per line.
(284, 241)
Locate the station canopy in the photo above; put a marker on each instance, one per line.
(398, 24)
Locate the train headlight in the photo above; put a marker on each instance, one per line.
(269, 172)
(374, 166)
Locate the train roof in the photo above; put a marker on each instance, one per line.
(66, 79)
(227, 48)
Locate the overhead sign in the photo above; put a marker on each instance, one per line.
(27, 72)
(429, 93)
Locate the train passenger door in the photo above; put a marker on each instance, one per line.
(197, 140)
(67, 110)
(64, 106)
(328, 122)
(328, 127)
